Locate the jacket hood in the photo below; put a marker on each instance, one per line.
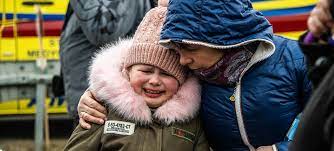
(217, 24)
(109, 83)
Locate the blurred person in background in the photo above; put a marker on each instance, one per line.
(316, 128)
(90, 24)
(320, 20)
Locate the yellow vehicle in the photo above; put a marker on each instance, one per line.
(19, 47)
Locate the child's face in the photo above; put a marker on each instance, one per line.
(152, 83)
(197, 56)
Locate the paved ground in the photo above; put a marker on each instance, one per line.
(19, 135)
(28, 144)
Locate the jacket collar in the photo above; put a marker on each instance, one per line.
(108, 82)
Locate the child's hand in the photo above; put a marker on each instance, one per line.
(265, 148)
(90, 110)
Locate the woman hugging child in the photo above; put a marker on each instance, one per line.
(152, 104)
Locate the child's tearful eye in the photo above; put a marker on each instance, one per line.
(146, 71)
(165, 74)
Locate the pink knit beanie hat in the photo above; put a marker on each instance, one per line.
(146, 48)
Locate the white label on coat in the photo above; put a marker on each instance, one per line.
(119, 127)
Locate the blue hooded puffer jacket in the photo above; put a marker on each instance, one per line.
(273, 88)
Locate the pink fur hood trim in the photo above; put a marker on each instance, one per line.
(108, 83)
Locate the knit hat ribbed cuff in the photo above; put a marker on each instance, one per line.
(156, 55)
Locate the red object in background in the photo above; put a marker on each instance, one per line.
(51, 28)
(289, 23)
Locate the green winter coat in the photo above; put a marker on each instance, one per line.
(152, 137)
(174, 126)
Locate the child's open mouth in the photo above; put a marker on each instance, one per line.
(153, 93)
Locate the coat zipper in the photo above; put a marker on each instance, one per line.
(160, 140)
(237, 97)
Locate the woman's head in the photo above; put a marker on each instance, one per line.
(153, 70)
(218, 66)
(197, 57)
(200, 57)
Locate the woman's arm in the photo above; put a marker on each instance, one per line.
(90, 110)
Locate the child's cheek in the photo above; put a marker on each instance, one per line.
(171, 85)
(137, 82)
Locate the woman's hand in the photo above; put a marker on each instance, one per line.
(265, 148)
(90, 110)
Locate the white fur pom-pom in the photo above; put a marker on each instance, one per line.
(163, 3)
